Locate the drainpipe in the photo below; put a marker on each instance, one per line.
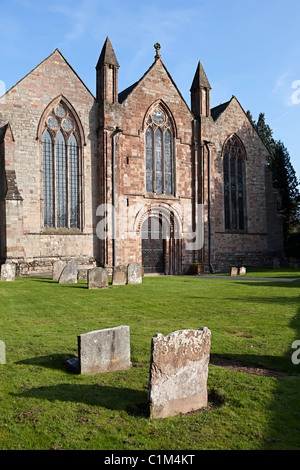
(209, 205)
(117, 131)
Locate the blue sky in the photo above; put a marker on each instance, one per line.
(249, 48)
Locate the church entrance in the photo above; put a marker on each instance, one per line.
(153, 246)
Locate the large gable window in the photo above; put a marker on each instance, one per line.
(234, 184)
(159, 153)
(61, 170)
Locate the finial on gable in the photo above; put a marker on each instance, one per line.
(157, 47)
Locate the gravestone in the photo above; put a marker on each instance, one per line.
(57, 269)
(293, 263)
(8, 272)
(119, 275)
(276, 263)
(103, 351)
(178, 372)
(242, 271)
(69, 273)
(2, 353)
(82, 274)
(234, 271)
(97, 278)
(134, 273)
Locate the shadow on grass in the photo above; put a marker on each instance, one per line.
(272, 365)
(52, 361)
(135, 402)
(263, 283)
(70, 285)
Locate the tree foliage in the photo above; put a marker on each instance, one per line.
(284, 176)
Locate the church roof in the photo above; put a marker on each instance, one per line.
(123, 94)
(218, 110)
(108, 55)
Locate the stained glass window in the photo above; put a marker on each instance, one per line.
(67, 125)
(158, 161)
(48, 180)
(159, 154)
(158, 116)
(61, 151)
(61, 186)
(149, 160)
(233, 172)
(73, 182)
(53, 123)
(168, 162)
(60, 111)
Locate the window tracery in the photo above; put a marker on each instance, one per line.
(61, 169)
(159, 153)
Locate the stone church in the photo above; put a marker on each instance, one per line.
(131, 176)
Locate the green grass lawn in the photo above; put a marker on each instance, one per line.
(43, 405)
(283, 272)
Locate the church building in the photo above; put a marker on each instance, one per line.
(131, 176)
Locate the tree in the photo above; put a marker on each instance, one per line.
(284, 176)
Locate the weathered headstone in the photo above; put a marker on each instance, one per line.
(97, 278)
(119, 275)
(57, 269)
(8, 272)
(234, 271)
(69, 273)
(134, 273)
(103, 351)
(178, 372)
(276, 263)
(2, 353)
(242, 271)
(82, 274)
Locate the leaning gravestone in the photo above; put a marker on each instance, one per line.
(178, 372)
(242, 271)
(234, 272)
(57, 269)
(119, 275)
(134, 273)
(97, 278)
(103, 351)
(69, 273)
(8, 272)
(2, 353)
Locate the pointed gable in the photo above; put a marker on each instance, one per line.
(55, 56)
(159, 69)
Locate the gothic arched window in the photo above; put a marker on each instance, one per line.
(61, 170)
(159, 153)
(234, 184)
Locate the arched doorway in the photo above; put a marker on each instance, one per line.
(153, 245)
